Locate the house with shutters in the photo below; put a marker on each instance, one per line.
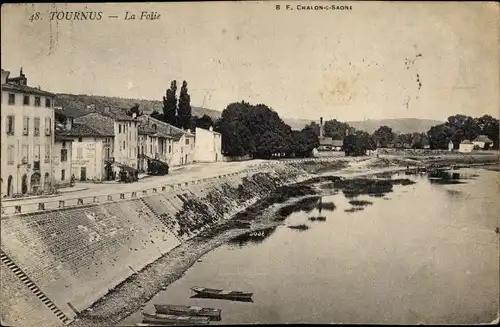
(176, 146)
(27, 133)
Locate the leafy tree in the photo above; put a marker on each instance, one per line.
(489, 126)
(304, 141)
(257, 130)
(156, 114)
(383, 136)
(336, 129)
(184, 110)
(170, 105)
(134, 110)
(439, 136)
(204, 121)
(355, 145)
(314, 126)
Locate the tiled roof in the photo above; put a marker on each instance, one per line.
(163, 129)
(483, 138)
(146, 130)
(80, 130)
(25, 89)
(115, 113)
(466, 142)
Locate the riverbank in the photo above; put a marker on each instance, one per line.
(132, 294)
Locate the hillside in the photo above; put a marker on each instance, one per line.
(401, 125)
(79, 102)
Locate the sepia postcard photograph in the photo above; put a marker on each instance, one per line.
(250, 162)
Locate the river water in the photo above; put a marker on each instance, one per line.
(423, 253)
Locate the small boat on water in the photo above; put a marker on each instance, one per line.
(188, 310)
(221, 294)
(173, 319)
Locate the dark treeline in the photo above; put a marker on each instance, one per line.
(258, 131)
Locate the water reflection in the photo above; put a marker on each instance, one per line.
(254, 237)
(306, 205)
(444, 177)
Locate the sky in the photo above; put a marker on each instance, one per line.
(364, 63)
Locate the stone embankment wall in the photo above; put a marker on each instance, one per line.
(71, 257)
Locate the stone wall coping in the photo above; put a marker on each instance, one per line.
(49, 205)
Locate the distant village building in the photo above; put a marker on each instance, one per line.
(466, 146)
(208, 145)
(483, 142)
(27, 127)
(327, 143)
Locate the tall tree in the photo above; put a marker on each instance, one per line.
(184, 111)
(439, 136)
(170, 104)
(336, 129)
(383, 136)
(204, 121)
(489, 126)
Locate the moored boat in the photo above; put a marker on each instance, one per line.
(173, 319)
(188, 310)
(221, 294)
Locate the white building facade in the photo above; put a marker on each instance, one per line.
(208, 145)
(27, 137)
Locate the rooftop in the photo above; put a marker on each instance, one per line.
(483, 138)
(81, 130)
(13, 87)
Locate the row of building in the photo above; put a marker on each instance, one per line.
(43, 147)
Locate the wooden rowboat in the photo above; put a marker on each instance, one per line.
(173, 319)
(188, 310)
(221, 294)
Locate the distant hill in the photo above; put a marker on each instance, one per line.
(398, 125)
(80, 102)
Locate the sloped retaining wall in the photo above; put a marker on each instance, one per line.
(76, 255)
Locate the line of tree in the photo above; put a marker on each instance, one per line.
(460, 127)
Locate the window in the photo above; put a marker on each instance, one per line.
(151, 148)
(187, 141)
(47, 153)
(48, 127)
(36, 153)
(26, 125)
(10, 125)
(26, 100)
(36, 165)
(79, 153)
(169, 149)
(124, 145)
(79, 139)
(48, 102)
(12, 98)
(64, 155)
(107, 152)
(10, 155)
(63, 174)
(64, 144)
(24, 154)
(37, 126)
(37, 101)
(119, 128)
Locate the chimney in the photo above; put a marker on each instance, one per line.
(5, 76)
(320, 127)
